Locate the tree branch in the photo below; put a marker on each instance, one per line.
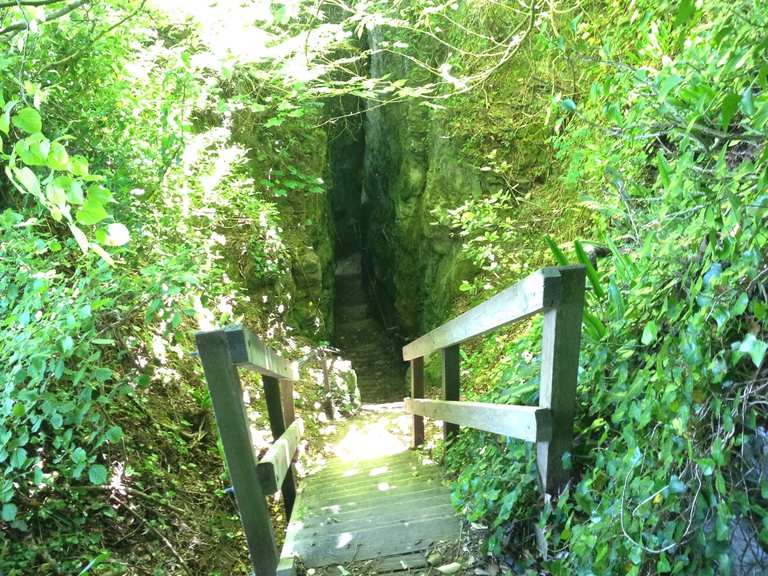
(24, 25)
(13, 3)
(99, 36)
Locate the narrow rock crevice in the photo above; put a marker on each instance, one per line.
(362, 338)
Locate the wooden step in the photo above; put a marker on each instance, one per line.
(344, 515)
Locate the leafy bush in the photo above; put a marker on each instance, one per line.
(668, 145)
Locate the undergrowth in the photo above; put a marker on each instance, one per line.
(666, 144)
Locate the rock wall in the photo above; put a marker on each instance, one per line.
(301, 286)
(411, 166)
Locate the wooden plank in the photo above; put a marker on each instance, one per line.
(451, 370)
(390, 515)
(274, 466)
(397, 474)
(417, 391)
(231, 419)
(561, 341)
(537, 292)
(376, 542)
(277, 423)
(249, 352)
(337, 467)
(530, 423)
(372, 492)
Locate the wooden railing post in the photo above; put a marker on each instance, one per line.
(451, 367)
(286, 398)
(277, 424)
(226, 396)
(559, 372)
(417, 391)
(327, 396)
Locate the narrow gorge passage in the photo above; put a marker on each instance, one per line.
(363, 339)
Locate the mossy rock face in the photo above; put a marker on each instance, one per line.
(413, 167)
(302, 280)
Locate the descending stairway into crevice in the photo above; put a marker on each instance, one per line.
(362, 338)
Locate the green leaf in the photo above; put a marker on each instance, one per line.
(19, 458)
(667, 84)
(79, 165)
(741, 304)
(115, 434)
(650, 332)
(664, 169)
(33, 150)
(92, 212)
(568, 104)
(95, 562)
(102, 374)
(9, 512)
(28, 119)
(5, 122)
(594, 279)
(67, 344)
(99, 193)
(676, 485)
(755, 348)
(97, 474)
(58, 158)
(79, 455)
(555, 249)
(56, 194)
(685, 10)
(747, 105)
(595, 324)
(728, 109)
(28, 180)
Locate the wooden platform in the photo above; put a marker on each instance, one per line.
(388, 511)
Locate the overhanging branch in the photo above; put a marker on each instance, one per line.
(24, 25)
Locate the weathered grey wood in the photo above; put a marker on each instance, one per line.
(537, 292)
(249, 352)
(530, 423)
(327, 398)
(559, 372)
(277, 424)
(403, 536)
(274, 465)
(451, 370)
(375, 490)
(286, 398)
(332, 525)
(226, 397)
(417, 391)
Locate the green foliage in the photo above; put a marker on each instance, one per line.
(103, 406)
(667, 143)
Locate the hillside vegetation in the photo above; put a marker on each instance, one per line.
(169, 168)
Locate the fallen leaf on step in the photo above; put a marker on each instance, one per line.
(451, 568)
(434, 558)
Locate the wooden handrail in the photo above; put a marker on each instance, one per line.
(529, 423)
(221, 353)
(274, 466)
(536, 293)
(559, 294)
(248, 351)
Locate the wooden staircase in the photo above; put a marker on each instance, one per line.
(384, 513)
(364, 340)
(388, 511)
